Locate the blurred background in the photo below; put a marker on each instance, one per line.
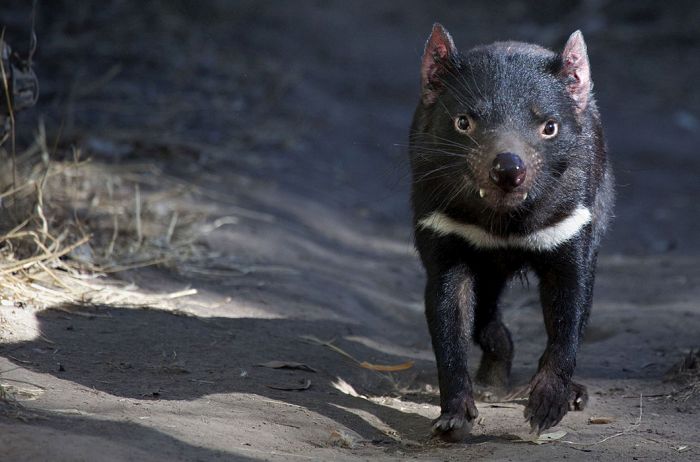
(253, 154)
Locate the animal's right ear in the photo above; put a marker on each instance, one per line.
(437, 57)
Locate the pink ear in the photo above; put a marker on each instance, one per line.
(577, 70)
(439, 49)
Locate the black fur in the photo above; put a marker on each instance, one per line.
(508, 90)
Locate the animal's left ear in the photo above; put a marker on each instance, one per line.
(576, 70)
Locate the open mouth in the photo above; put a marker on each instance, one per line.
(497, 198)
(521, 195)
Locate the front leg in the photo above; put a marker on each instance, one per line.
(449, 308)
(566, 290)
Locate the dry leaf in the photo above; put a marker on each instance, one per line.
(344, 387)
(549, 437)
(600, 420)
(387, 367)
(287, 365)
(341, 439)
(301, 387)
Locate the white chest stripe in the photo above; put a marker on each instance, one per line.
(543, 239)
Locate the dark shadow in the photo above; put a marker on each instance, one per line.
(149, 354)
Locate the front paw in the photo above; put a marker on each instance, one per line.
(454, 425)
(548, 402)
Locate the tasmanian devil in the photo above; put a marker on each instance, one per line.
(509, 174)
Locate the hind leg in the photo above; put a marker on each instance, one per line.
(492, 336)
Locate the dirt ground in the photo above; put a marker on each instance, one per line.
(290, 118)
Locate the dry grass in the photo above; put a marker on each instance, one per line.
(67, 223)
(687, 374)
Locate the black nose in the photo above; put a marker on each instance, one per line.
(507, 171)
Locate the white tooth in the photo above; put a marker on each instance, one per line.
(524, 196)
(482, 193)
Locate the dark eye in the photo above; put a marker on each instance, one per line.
(463, 124)
(549, 129)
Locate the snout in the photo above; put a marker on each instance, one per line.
(508, 171)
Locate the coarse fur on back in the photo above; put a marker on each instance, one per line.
(509, 172)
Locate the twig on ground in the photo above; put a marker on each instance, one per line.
(631, 429)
